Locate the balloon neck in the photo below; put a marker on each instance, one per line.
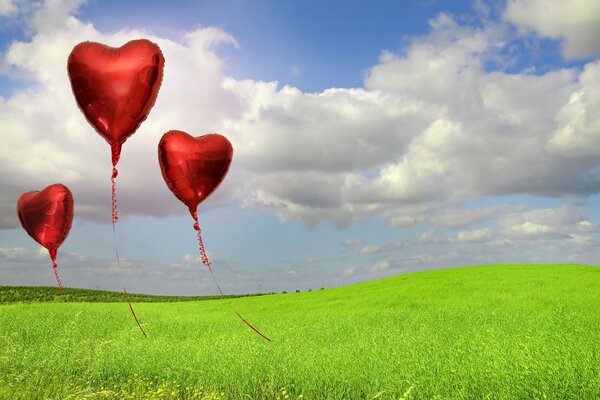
(115, 150)
(194, 213)
(52, 252)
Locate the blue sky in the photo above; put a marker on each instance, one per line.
(370, 139)
(331, 43)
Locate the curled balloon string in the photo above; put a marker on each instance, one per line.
(115, 155)
(55, 269)
(206, 262)
(203, 255)
(133, 312)
(113, 177)
(114, 215)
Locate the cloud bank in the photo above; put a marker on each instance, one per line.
(435, 127)
(431, 128)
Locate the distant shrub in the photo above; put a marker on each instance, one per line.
(39, 294)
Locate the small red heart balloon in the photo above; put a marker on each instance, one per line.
(47, 215)
(115, 88)
(193, 167)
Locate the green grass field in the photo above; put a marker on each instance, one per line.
(495, 332)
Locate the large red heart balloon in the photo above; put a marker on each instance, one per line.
(193, 167)
(115, 88)
(47, 215)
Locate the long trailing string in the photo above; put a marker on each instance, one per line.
(251, 327)
(207, 262)
(115, 218)
(125, 291)
(133, 312)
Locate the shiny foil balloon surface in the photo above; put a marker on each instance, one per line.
(47, 215)
(193, 167)
(115, 88)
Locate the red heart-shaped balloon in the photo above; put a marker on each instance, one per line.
(47, 215)
(193, 167)
(115, 88)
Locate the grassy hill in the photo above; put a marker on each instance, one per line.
(37, 294)
(495, 332)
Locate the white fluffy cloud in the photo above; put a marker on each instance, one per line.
(385, 248)
(475, 235)
(576, 135)
(549, 222)
(354, 242)
(575, 22)
(430, 236)
(381, 265)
